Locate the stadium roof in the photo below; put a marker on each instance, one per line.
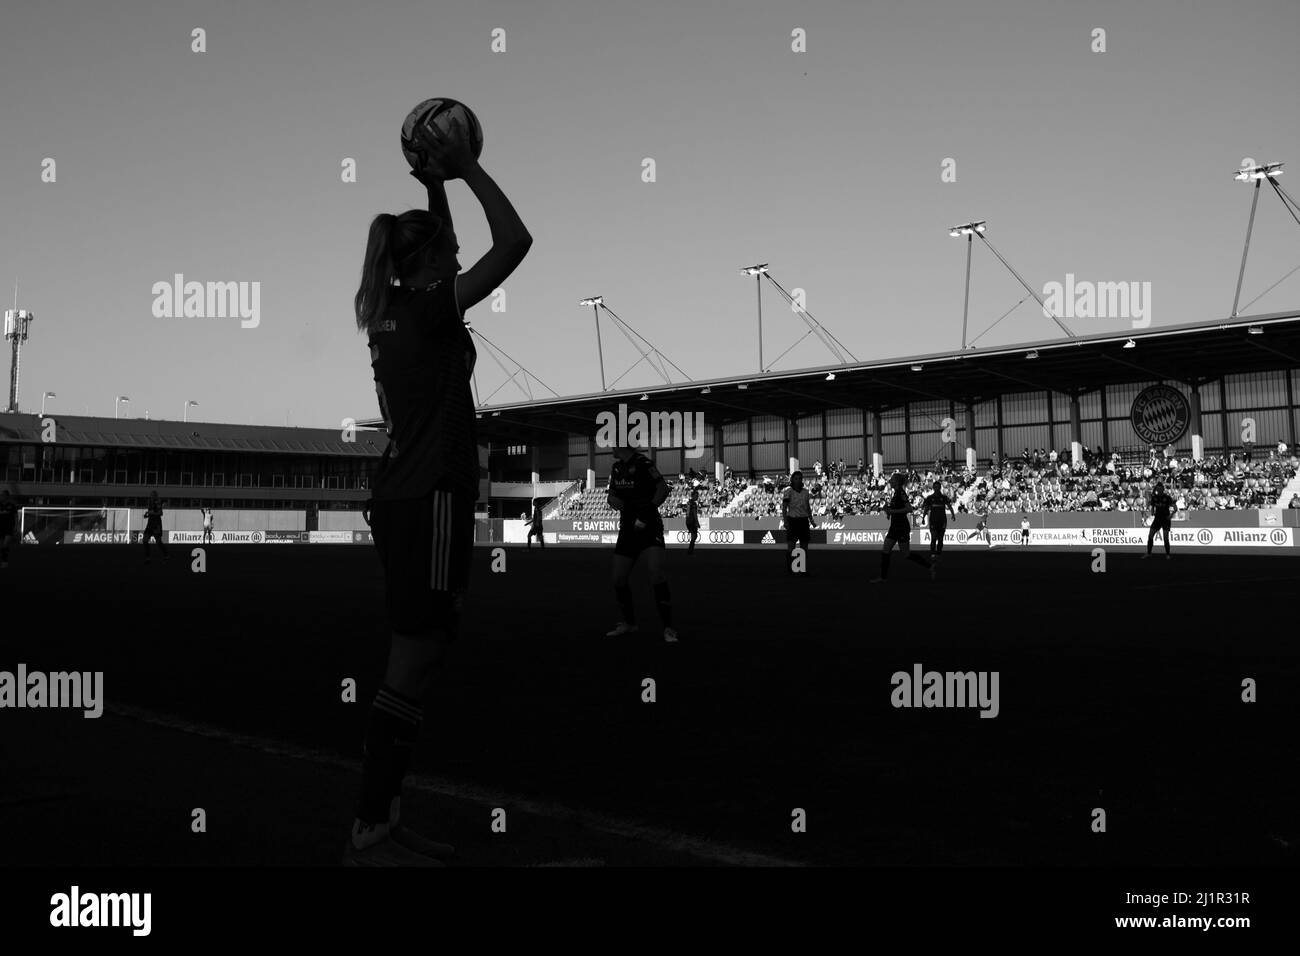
(1196, 352)
(191, 436)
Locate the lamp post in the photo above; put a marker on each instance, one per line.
(185, 416)
(43, 398)
(120, 399)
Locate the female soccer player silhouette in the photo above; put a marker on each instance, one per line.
(411, 303)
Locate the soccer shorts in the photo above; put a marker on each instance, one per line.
(899, 532)
(797, 532)
(1161, 524)
(632, 542)
(425, 546)
(938, 530)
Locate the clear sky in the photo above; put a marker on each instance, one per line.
(225, 166)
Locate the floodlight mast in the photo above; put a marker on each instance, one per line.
(977, 228)
(1259, 172)
(758, 271)
(596, 301)
(968, 230)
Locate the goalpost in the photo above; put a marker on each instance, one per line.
(46, 525)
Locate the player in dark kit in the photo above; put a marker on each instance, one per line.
(636, 490)
(900, 529)
(8, 522)
(693, 520)
(1161, 514)
(935, 505)
(796, 510)
(535, 527)
(411, 304)
(153, 526)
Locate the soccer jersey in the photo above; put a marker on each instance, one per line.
(936, 505)
(1160, 505)
(798, 504)
(8, 517)
(153, 516)
(900, 528)
(634, 482)
(422, 357)
(692, 516)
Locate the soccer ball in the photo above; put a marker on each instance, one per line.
(438, 113)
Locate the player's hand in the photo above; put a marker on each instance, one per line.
(447, 157)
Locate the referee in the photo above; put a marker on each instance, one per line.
(796, 513)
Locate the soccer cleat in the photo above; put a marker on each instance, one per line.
(622, 628)
(1147, 555)
(1169, 557)
(876, 581)
(410, 840)
(670, 635)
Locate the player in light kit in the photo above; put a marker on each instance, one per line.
(8, 522)
(207, 524)
(693, 519)
(1024, 528)
(935, 504)
(1161, 507)
(796, 514)
(636, 490)
(411, 303)
(153, 526)
(900, 529)
(535, 527)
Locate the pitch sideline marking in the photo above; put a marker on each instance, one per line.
(659, 837)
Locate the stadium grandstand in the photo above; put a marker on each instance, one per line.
(1054, 426)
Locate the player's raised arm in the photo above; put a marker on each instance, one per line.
(510, 237)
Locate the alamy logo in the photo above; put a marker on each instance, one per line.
(640, 429)
(1098, 300)
(74, 908)
(210, 300)
(946, 689)
(60, 689)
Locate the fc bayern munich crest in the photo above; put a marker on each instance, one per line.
(1160, 414)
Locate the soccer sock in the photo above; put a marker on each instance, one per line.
(624, 594)
(884, 564)
(664, 603)
(1166, 544)
(390, 736)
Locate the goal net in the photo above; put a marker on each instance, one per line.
(49, 525)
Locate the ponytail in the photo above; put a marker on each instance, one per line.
(391, 240)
